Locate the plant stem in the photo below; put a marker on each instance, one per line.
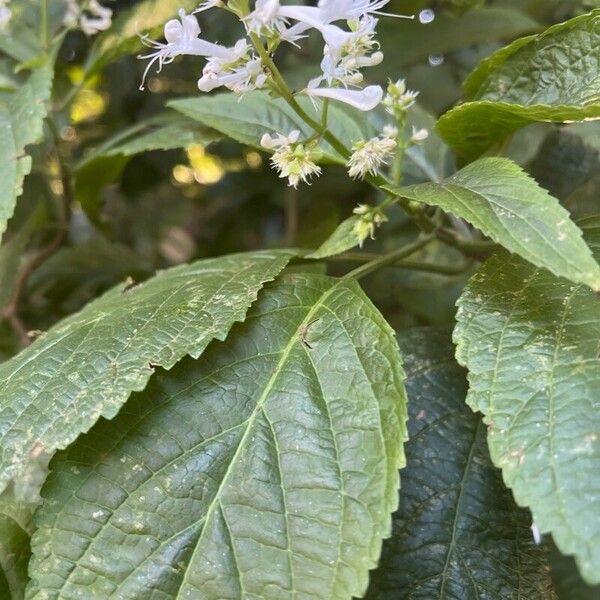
(325, 112)
(398, 164)
(412, 265)
(413, 209)
(390, 258)
(11, 311)
(44, 23)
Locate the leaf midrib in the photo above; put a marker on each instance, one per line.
(258, 409)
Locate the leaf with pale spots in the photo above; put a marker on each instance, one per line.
(531, 343)
(498, 197)
(87, 365)
(265, 469)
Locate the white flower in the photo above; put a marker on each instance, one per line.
(367, 157)
(349, 10)
(291, 158)
(266, 17)
(399, 99)
(269, 142)
(95, 18)
(418, 135)
(365, 99)
(5, 13)
(371, 217)
(71, 16)
(269, 16)
(239, 71)
(346, 52)
(181, 38)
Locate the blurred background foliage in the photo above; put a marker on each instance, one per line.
(198, 196)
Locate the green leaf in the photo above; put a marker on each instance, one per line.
(530, 342)
(265, 469)
(342, 239)
(457, 532)
(246, 120)
(105, 164)
(87, 365)
(123, 37)
(165, 131)
(550, 77)
(21, 124)
(496, 196)
(15, 526)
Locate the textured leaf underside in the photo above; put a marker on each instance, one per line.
(554, 76)
(265, 469)
(457, 534)
(87, 365)
(531, 343)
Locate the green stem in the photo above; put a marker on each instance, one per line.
(413, 209)
(398, 163)
(324, 114)
(44, 23)
(391, 258)
(412, 265)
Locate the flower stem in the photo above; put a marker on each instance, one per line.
(412, 265)
(390, 258)
(44, 23)
(398, 164)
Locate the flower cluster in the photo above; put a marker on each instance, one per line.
(91, 20)
(5, 13)
(368, 157)
(369, 219)
(347, 29)
(345, 51)
(292, 158)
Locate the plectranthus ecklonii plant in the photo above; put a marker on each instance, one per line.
(217, 386)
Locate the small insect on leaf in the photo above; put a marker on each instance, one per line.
(304, 330)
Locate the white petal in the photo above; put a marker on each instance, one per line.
(366, 99)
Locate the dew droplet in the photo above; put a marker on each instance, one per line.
(435, 60)
(426, 16)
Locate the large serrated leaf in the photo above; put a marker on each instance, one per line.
(531, 342)
(265, 469)
(550, 77)
(87, 365)
(247, 119)
(498, 197)
(15, 527)
(457, 533)
(21, 122)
